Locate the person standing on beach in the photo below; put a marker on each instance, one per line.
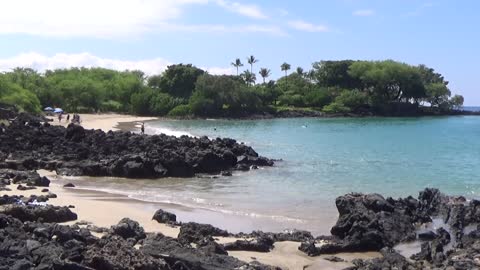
(59, 117)
(142, 129)
(68, 117)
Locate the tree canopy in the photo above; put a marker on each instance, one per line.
(347, 86)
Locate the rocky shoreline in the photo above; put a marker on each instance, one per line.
(32, 236)
(296, 113)
(29, 144)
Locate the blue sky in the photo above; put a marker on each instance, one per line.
(150, 34)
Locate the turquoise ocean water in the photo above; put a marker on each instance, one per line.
(322, 159)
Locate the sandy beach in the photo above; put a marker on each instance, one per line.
(105, 210)
(104, 122)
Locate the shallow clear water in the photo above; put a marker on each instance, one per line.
(322, 159)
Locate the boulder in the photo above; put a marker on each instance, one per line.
(192, 232)
(368, 222)
(263, 244)
(162, 216)
(179, 256)
(115, 252)
(47, 213)
(127, 228)
(22, 187)
(41, 182)
(74, 132)
(309, 248)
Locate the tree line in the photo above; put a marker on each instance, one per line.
(375, 87)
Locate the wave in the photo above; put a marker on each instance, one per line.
(162, 130)
(198, 203)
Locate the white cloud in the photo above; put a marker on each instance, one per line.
(220, 28)
(87, 18)
(308, 27)
(109, 18)
(364, 12)
(248, 10)
(42, 62)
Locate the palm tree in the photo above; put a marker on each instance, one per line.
(310, 75)
(251, 60)
(249, 77)
(300, 71)
(264, 72)
(285, 67)
(237, 64)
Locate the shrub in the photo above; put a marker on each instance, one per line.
(318, 98)
(292, 100)
(181, 111)
(161, 103)
(352, 99)
(336, 107)
(111, 106)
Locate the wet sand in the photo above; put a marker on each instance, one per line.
(104, 210)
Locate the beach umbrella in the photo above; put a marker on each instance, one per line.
(48, 109)
(58, 110)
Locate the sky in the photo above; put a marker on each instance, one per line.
(151, 34)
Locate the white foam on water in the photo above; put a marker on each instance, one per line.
(193, 202)
(162, 130)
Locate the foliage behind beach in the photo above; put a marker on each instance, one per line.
(374, 87)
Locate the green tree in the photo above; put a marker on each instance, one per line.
(179, 80)
(295, 83)
(183, 110)
(336, 107)
(154, 81)
(249, 77)
(285, 67)
(237, 64)
(14, 94)
(388, 81)
(335, 74)
(318, 97)
(141, 102)
(160, 103)
(457, 102)
(352, 99)
(27, 78)
(265, 73)
(437, 94)
(251, 60)
(300, 71)
(222, 95)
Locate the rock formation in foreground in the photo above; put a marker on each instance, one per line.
(369, 222)
(26, 144)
